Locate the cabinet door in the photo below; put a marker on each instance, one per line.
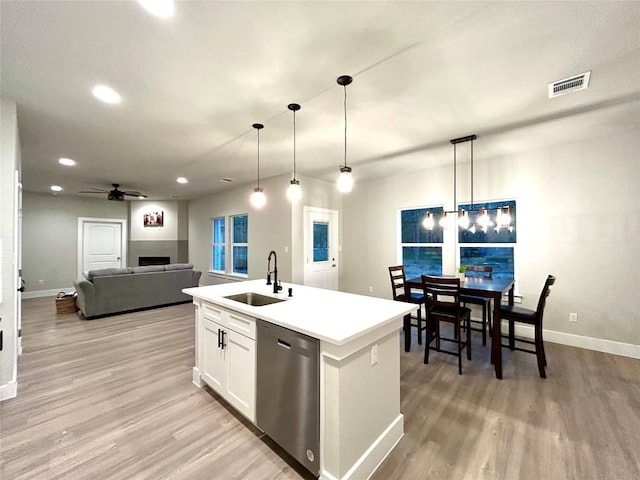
(241, 374)
(214, 358)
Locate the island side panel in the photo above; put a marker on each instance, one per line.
(360, 409)
(197, 369)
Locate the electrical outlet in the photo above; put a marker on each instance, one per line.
(370, 289)
(573, 317)
(374, 354)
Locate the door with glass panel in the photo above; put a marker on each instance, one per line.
(321, 248)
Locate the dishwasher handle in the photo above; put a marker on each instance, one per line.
(283, 344)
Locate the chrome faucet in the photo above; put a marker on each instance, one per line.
(276, 286)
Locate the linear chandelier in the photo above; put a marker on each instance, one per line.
(483, 221)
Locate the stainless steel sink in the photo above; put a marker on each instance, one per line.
(254, 299)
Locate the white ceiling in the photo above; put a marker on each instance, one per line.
(192, 85)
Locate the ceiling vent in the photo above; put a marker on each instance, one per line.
(569, 85)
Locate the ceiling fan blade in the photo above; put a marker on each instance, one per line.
(94, 191)
(134, 194)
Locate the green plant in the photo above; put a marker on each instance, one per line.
(462, 268)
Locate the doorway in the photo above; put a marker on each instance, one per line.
(102, 243)
(321, 267)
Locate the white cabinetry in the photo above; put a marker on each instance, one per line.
(229, 356)
(360, 418)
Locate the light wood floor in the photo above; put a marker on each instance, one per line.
(112, 399)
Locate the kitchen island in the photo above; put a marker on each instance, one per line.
(359, 364)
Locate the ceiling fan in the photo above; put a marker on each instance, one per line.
(115, 194)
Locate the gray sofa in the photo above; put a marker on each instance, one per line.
(117, 290)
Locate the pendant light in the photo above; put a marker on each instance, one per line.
(294, 193)
(258, 198)
(345, 180)
(428, 222)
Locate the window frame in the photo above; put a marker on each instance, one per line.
(514, 245)
(437, 211)
(233, 245)
(215, 244)
(229, 246)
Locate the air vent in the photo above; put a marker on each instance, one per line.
(569, 85)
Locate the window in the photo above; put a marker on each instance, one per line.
(236, 243)
(320, 241)
(219, 245)
(420, 249)
(500, 258)
(492, 246)
(239, 244)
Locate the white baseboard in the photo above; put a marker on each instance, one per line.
(9, 390)
(572, 340)
(374, 455)
(47, 293)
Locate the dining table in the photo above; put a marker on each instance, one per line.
(493, 288)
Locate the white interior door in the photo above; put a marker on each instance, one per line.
(102, 244)
(321, 248)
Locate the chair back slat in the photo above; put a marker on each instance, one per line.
(443, 294)
(398, 281)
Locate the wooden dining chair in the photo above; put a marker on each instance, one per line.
(530, 317)
(402, 293)
(485, 323)
(442, 297)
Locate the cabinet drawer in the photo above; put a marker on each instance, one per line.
(214, 313)
(242, 324)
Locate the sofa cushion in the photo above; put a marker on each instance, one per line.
(178, 266)
(105, 272)
(148, 268)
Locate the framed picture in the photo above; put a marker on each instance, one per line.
(154, 219)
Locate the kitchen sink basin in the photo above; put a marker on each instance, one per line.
(254, 299)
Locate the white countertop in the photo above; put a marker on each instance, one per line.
(330, 316)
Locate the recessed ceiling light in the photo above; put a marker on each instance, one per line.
(56, 188)
(182, 180)
(67, 161)
(159, 8)
(106, 94)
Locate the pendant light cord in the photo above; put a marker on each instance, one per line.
(258, 130)
(294, 144)
(471, 174)
(345, 125)
(455, 178)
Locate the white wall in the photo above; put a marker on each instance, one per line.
(169, 230)
(50, 237)
(9, 162)
(278, 226)
(578, 218)
(269, 228)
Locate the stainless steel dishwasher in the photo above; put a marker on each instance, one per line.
(288, 392)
